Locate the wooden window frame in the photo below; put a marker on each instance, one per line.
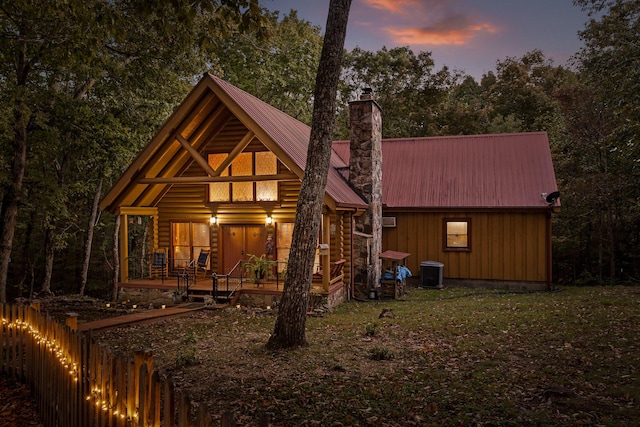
(177, 264)
(447, 248)
(253, 184)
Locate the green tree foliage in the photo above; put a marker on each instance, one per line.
(404, 84)
(84, 85)
(521, 93)
(600, 159)
(279, 69)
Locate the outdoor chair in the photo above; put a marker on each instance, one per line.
(335, 274)
(159, 264)
(201, 263)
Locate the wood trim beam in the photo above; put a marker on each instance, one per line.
(133, 210)
(246, 140)
(196, 155)
(150, 195)
(209, 179)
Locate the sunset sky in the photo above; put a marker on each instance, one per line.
(469, 35)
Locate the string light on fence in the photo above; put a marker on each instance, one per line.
(54, 347)
(97, 395)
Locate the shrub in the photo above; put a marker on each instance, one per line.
(380, 353)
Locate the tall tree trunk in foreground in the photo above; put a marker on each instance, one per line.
(87, 244)
(289, 329)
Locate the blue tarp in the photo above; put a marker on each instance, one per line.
(402, 273)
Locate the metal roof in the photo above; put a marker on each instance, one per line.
(215, 107)
(474, 171)
(292, 136)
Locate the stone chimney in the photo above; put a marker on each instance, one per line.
(365, 176)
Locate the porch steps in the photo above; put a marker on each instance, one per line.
(222, 297)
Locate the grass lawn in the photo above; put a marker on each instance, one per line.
(447, 357)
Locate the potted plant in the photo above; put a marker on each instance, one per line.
(258, 266)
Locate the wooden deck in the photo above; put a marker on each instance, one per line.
(202, 285)
(229, 292)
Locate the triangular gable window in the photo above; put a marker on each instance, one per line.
(259, 163)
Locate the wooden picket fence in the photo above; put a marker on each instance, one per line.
(77, 383)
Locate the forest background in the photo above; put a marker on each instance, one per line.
(85, 84)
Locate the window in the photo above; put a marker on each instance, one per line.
(187, 239)
(389, 221)
(284, 234)
(456, 234)
(245, 164)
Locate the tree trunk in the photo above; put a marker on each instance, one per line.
(9, 214)
(87, 244)
(289, 329)
(26, 270)
(611, 240)
(116, 258)
(49, 254)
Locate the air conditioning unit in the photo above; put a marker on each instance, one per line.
(389, 221)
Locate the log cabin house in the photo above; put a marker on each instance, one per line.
(223, 173)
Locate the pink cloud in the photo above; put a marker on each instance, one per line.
(396, 6)
(440, 34)
(427, 22)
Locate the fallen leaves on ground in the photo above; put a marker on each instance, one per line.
(16, 405)
(452, 357)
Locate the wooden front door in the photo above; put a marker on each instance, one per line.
(240, 241)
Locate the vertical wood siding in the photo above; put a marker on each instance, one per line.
(505, 246)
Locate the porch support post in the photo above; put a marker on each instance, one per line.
(326, 238)
(124, 248)
(155, 231)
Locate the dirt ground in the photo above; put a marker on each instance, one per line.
(17, 408)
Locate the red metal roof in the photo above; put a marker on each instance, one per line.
(478, 171)
(292, 136)
(475, 171)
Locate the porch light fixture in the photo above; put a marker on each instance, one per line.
(269, 220)
(213, 220)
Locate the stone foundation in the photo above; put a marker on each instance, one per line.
(157, 297)
(255, 299)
